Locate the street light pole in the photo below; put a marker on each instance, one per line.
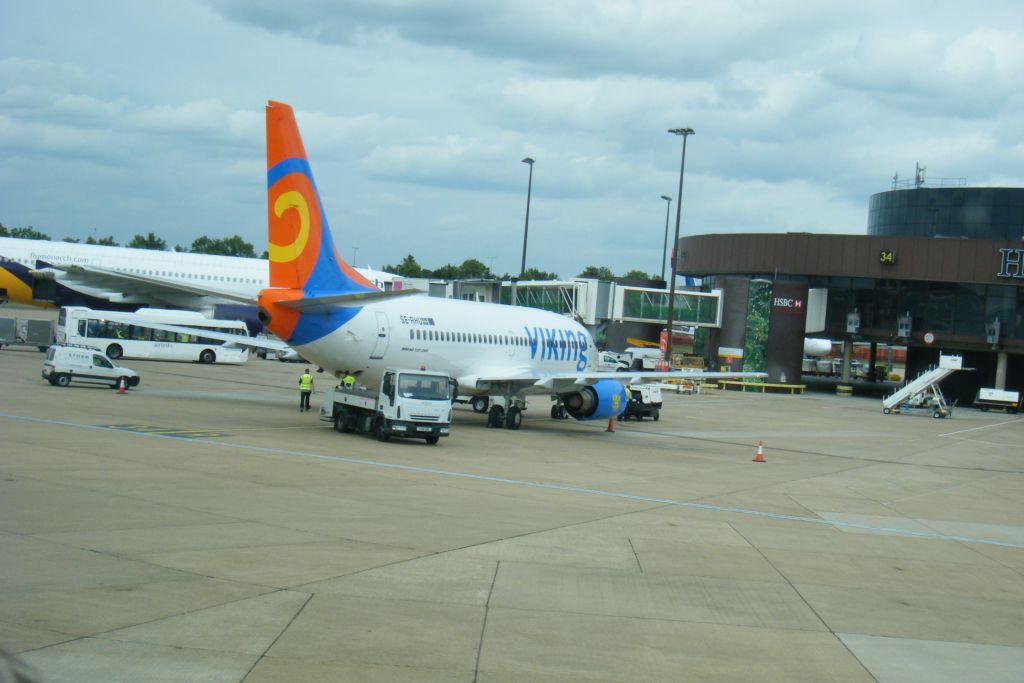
(526, 228)
(664, 244)
(669, 336)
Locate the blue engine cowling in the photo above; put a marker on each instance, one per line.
(604, 399)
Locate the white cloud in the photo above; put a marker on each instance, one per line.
(416, 114)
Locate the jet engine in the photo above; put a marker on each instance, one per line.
(600, 401)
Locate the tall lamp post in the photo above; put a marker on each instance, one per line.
(664, 244)
(669, 336)
(526, 228)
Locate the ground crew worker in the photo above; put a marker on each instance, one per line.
(349, 381)
(305, 389)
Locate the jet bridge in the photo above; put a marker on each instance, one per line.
(593, 302)
(923, 393)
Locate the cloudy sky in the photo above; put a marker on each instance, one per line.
(126, 117)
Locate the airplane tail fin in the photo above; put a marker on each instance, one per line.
(301, 249)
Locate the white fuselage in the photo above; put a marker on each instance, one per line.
(240, 276)
(467, 340)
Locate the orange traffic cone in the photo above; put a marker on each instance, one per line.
(760, 453)
(121, 385)
(610, 427)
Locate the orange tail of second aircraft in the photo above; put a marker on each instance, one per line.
(303, 259)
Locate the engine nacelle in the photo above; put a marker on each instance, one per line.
(605, 399)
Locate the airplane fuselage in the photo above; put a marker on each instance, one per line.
(243, 277)
(453, 336)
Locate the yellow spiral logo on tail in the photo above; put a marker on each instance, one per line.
(289, 252)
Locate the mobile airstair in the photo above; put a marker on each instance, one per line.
(923, 393)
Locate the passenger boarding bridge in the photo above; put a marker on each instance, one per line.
(591, 302)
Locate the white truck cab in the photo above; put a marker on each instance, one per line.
(66, 363)
(410, 403)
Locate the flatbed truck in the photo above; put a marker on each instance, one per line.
(415, 404)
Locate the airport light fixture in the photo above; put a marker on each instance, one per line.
(526, 228)
(669, 335)
(664, 244)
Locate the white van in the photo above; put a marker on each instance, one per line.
(67, 362)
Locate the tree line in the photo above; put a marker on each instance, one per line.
(470, 269)
(223, 246)
(474, 269)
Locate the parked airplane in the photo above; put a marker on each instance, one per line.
(337, 318)
(44, 273)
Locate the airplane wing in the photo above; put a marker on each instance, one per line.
(529, 381)
(158, 289)
(319, 304)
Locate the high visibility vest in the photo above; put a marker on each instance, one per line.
(306, 382)
(349, 381)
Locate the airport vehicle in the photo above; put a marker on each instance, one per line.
(44, 273)
(611, 361)
(27, 331)
(644, 401)
(923, 394)
(66, 363)
(409, 403)
(133, 335)
(987, 399)
(639, 358)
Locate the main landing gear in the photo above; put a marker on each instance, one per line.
(498, 416)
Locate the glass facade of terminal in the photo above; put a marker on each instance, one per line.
(943, 308)
(995, 213)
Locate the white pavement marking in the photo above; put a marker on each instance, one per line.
(533, 484)
(972, 429)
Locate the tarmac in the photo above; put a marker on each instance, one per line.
(201, 528)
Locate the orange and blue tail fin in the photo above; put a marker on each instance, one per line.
(301, 249)
(304, 263)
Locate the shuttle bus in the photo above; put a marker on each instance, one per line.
(130, 336)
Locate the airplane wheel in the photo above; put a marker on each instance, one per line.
(513, 418)
(496, 416)
(479, 404)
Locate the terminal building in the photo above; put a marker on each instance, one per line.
(940, 269)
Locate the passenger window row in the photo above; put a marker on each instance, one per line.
(497, 339)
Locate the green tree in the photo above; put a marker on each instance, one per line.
(102, 241)
(445, 272)
(408, 268)
(229, 246)
(27, 233)
(150, 241)
(72, 240)
(534, 274)
(599, 272)
(472, 269)
(638, 275)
